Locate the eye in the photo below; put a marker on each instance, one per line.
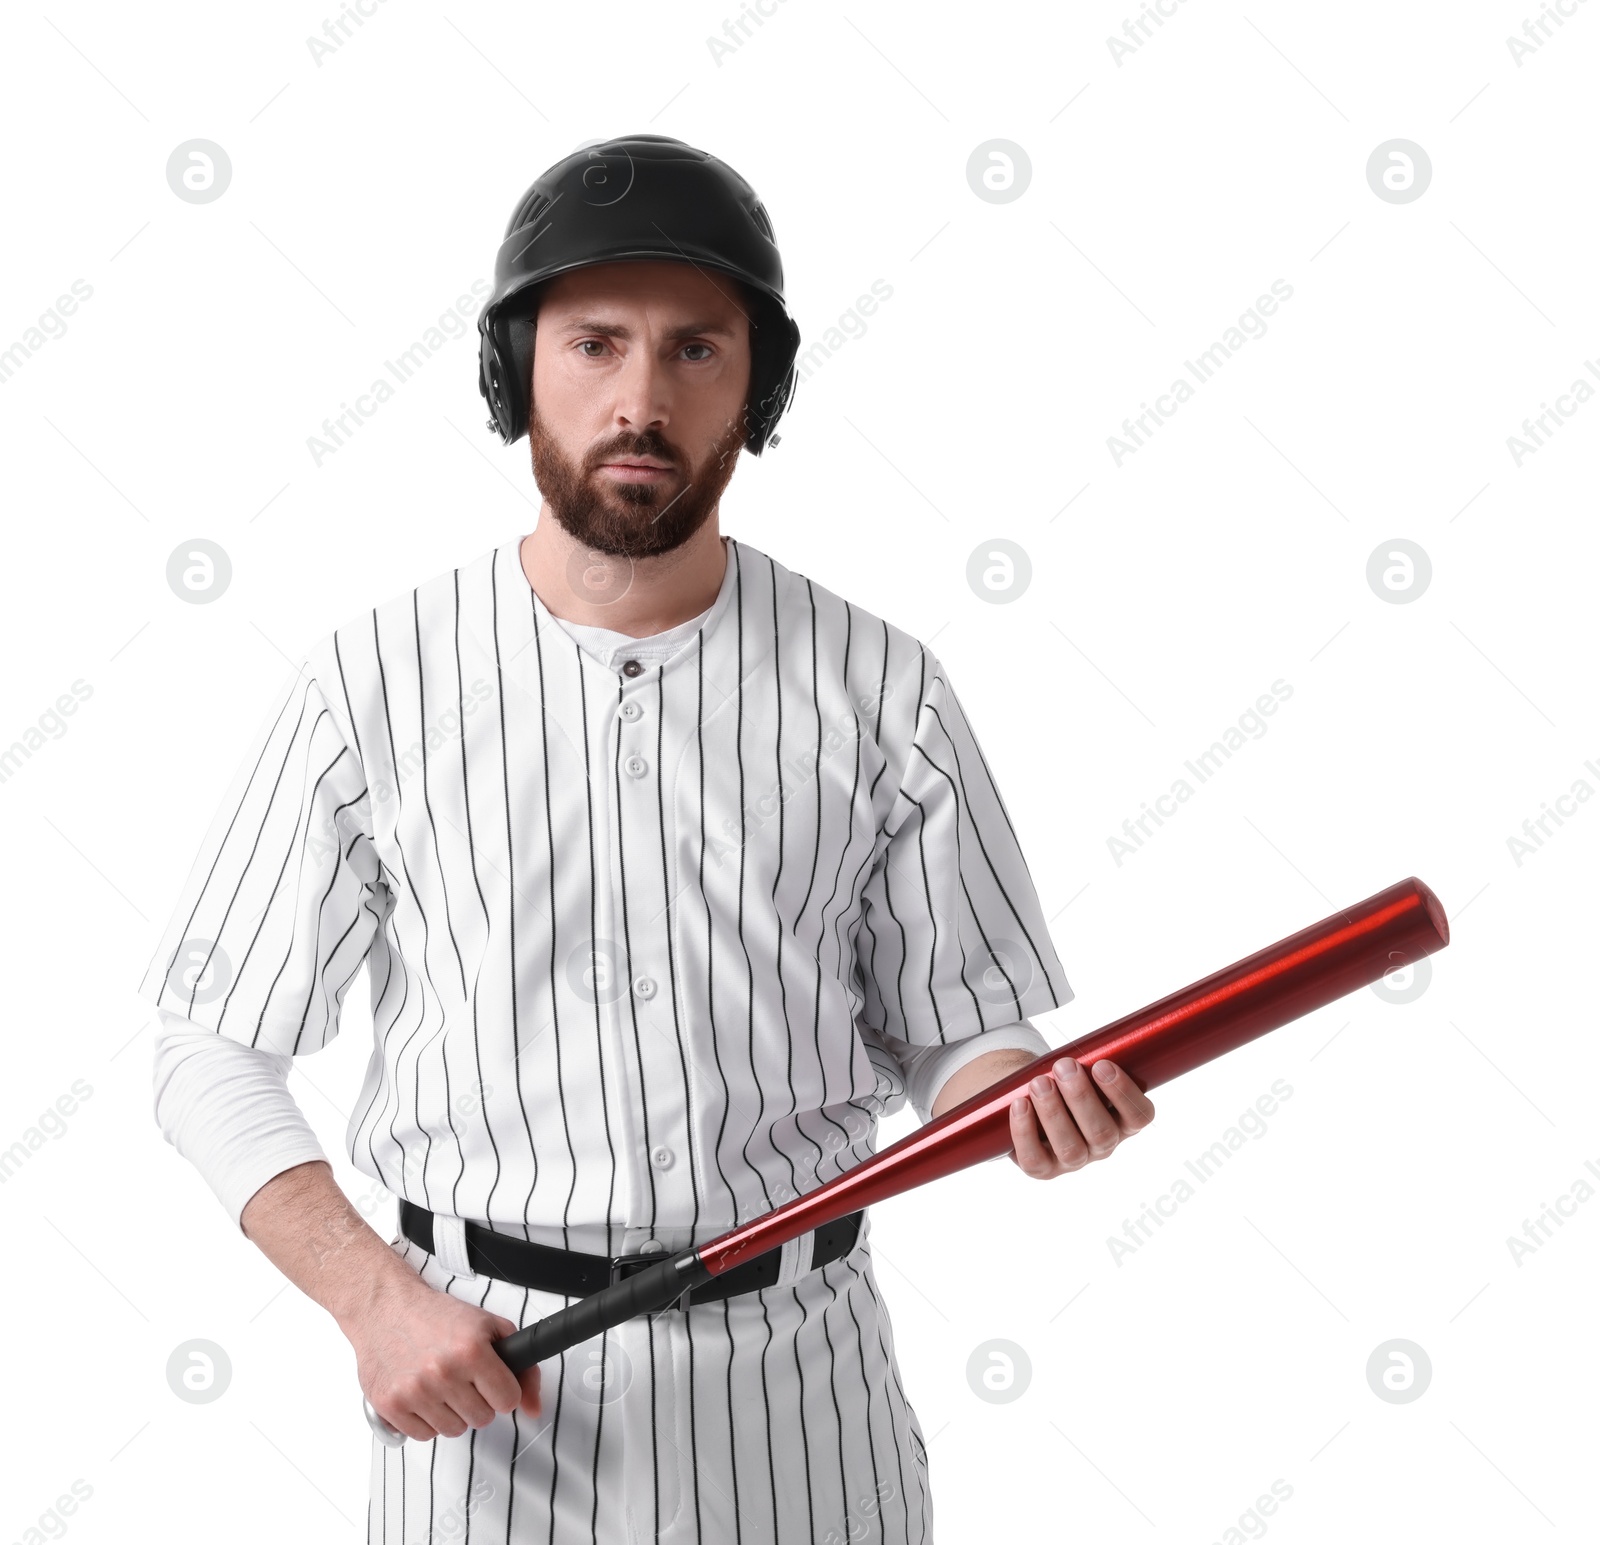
(706, 346)
(585, 342)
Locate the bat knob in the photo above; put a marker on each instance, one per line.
(391, 1437)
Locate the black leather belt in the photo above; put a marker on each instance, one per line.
(577, 1274)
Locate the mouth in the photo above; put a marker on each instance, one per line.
(635, 469)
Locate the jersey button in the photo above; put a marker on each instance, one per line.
(644, 986)
(631, 667)
(661, 1157)
(630, 710)
(636, 767)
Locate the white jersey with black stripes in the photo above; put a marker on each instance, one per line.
(652, 936)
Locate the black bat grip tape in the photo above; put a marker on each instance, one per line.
(648, 1291)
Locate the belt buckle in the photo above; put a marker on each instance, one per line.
(620, 1266)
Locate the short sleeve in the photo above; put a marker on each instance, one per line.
(283, 898)
(952, 939)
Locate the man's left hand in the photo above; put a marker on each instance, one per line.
(1077, 1126)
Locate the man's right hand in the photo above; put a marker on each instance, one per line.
(427, 1362)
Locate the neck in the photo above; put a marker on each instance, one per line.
(636, 596)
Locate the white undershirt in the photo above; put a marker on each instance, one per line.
(609, 646)
(226, 1107)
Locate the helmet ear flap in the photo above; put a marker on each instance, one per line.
(493, 378)
(520, 327)
(774, 343)
(506, 363)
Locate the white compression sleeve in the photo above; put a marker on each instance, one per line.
(226, 1107)
(929, 1068)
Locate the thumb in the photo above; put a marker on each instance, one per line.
(529, 1380)
(501, 1326)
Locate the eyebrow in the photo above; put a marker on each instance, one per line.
(593, 325)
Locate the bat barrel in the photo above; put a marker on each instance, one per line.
(1395, 927)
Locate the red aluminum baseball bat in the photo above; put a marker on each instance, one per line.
(1306, 971)
(1351, 949)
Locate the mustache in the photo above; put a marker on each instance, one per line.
(645, 445)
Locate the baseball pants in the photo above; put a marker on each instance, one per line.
(771, 1418)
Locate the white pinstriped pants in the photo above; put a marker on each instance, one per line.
(771, 1418)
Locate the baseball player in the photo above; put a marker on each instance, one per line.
(672, 871)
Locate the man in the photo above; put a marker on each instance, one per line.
(672, 871)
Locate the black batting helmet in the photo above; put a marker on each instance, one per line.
(642, 196)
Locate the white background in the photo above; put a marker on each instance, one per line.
(1168, 592)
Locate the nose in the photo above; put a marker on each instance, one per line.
(640, 400)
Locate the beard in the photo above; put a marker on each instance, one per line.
(631, 520)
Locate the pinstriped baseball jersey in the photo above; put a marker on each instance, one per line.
(641, 943)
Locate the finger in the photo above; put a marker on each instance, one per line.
(494, 1380)
(409, 1405)
(496, 1383)
(445, 1421)
(408, 1422)
(1061, 1130)
(1133, 1104)
(464, 1398)
(1029, 1152)
(528, 1379)
(1097, 1124)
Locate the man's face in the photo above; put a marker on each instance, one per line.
(640, 361)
